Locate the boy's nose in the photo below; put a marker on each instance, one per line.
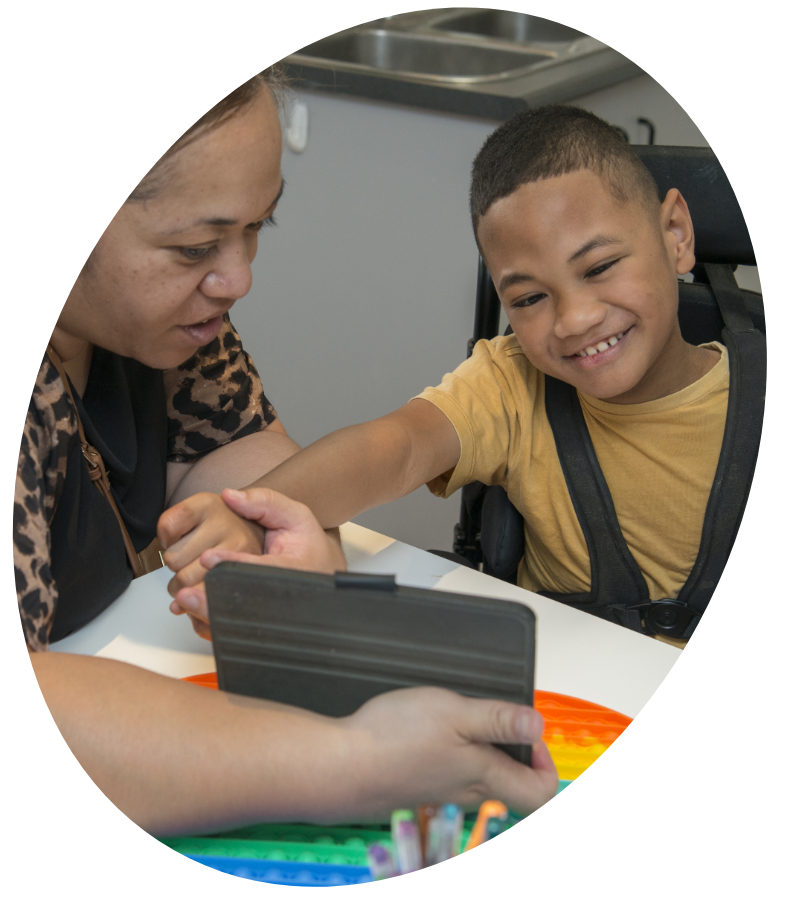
(577, 313)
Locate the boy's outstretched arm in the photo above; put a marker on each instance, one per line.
(363, 466)
(338, 477)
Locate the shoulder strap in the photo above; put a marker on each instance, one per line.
(745, 408)
(141, 563)
(726, 503)
(616, 581)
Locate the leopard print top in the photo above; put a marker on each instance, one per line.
(213, 398)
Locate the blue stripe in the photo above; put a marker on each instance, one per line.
(303, 874)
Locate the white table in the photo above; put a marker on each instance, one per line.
(576, 653)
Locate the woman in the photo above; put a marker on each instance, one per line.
(145, 361)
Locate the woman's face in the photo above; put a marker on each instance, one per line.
(167, 269)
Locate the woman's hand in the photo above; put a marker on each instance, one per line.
(431, 745)
(290, 537)
(203, 521)
(147, 740)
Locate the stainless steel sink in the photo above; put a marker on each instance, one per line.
(425, 57)
(505, 25)
(486, 51)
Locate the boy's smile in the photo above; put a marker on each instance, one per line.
(589, 285)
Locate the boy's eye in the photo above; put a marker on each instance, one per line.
(523, 302)
(600, 269)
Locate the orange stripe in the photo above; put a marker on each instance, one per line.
(204, 680)
(577, 732)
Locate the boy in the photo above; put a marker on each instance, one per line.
(585, 259)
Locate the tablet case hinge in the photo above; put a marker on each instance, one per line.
(361, 581)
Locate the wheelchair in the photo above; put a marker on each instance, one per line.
(490, 534)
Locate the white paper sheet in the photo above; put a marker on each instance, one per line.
(576, 653)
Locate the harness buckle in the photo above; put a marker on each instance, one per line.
(666, 616)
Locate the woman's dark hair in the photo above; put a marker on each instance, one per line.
(271, 79)
(556, 140)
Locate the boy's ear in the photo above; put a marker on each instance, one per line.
(678, 231)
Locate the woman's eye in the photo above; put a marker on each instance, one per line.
(199, 254)
(264, 223)
(195, 254)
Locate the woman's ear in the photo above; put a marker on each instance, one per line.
(678, 231)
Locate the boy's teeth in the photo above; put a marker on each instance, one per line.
(600, 346)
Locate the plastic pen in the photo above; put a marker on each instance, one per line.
(495, 826)
(441, 838)
(489, 809)
(407, 847)
(427, 814)
(381, 862)
(454, 819)
(404, 833)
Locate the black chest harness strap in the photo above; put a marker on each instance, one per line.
(618, 590)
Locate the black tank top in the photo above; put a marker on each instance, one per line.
(124, 414)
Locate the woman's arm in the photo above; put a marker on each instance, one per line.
(177, 758)
(231, 465)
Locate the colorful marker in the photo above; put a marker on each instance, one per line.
(495, 826)
(426, 816)
(440, 843)
(455, 819)
(489, 809)
(406, 841)
(381, 862)
(407, 847)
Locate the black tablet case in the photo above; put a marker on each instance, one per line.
(331, 642)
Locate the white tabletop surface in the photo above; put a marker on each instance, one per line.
(576, 653)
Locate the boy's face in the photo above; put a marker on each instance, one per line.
(589, 284)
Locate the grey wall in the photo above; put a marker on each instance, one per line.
(625, 103)
(364, 293)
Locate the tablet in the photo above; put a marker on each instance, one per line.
(329, 643)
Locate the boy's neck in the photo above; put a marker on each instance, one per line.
(680, 365)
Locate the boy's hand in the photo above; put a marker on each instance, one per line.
(293, 539)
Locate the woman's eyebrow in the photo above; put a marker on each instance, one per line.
(218, 222)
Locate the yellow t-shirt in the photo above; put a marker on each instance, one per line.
(658, 458)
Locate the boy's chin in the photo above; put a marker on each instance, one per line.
(619, 393)
(611, 387)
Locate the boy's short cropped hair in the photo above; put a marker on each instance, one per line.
(556, 140)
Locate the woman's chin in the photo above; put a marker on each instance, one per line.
(163, 357)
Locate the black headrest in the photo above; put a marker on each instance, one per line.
(720, 230)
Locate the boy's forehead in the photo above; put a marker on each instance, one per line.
(561, 194)
(552, 214)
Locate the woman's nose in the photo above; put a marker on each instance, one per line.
(230, 277)
(577, 312)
